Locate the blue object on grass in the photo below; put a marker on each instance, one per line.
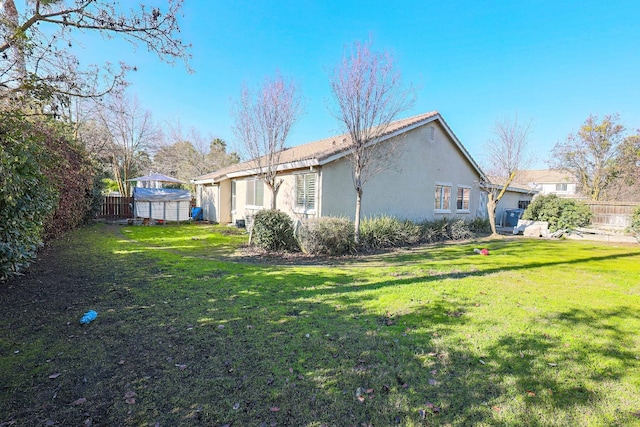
(88, 317)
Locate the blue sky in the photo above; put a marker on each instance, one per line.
(551, 62)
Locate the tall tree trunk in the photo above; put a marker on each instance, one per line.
(356, 223)
(16, 40)
(492, 204)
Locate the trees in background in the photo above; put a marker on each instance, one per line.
(186, 155)
(506, 154)
(368, 89)
(598, 155)
(263, 120)
(130, 132)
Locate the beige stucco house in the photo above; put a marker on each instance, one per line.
(433, 176)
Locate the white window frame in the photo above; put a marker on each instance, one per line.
(304, 208)
(465, 190)
(439, 202)
(234, 195)
(562, 187)
(250, 204)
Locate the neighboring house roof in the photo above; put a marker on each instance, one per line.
(544, 176)
(330, 149)
(498, 182)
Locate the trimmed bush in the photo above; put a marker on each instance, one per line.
(387, 232)
(561, 214)
(273, 231)
(328, 236)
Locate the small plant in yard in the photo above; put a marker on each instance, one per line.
(328, 236)
(273, 231)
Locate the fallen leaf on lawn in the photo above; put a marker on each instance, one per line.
(433, 372)
(360, 399)
(54, 376)
(386, 388)
(496, 408)
(236, 406)
(432, 354)
(422, 413)
(181, 366)
(291, 370)
(369, 391)
(432, 381)
(636, 414)
(552, 364)
(275, 409)
(531, 393)
(521, 355)
(129, 394)
(79, 401)
(482, 361)
(87, 423)
(220, 326)
(405, 385)
(130, 401)
(121, 362)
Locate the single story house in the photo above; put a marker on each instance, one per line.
(433, 176)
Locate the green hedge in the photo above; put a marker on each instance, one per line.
(27, 196)
(46, 187)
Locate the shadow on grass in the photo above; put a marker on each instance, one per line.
(211, 343)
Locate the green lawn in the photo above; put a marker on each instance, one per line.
(537, 333)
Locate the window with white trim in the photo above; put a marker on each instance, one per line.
(306, 191)
(255, 192)
(464, 194)
(561, 187)
(443, 197)
(233, 196)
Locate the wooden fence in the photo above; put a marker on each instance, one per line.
(116, 208)
(611, 214)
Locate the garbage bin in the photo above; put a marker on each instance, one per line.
(196, 214)
(512, 217)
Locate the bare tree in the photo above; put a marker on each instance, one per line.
(506, 154)
(186, 155)
(263, 120)
(132, 131)
(36, 44)
(592, 155)
(370, 95)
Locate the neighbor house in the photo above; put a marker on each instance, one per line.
(548, 181)
(432, 176)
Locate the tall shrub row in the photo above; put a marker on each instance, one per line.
(45, 188)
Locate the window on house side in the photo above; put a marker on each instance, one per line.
(463, 199)
(561, 187)
(523, 204)
(306, 191)
(443, 195)
(233, 195)
(255, 192)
